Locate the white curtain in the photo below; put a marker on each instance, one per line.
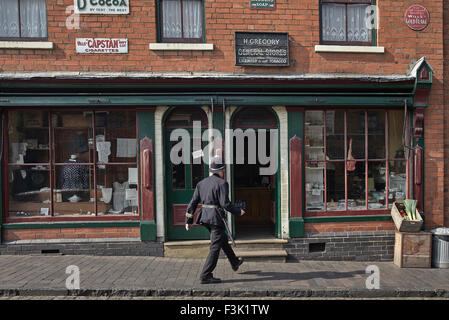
(192, 18)
(33, 18)
(9, 18)
(333, 22)
(357, 30)
(171, 18)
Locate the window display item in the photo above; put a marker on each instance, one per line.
(73, 176)
(106, 194)
(351, 161)
(79, 142)
(126, 148)
(118, 201)
(104, 150)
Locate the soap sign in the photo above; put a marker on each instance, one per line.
(101, 45)
(417, 17)
(102, 6)
(261, 49)
(262, 4)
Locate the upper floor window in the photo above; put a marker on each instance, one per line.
(347, 22)
(23, 19)
(181, 20)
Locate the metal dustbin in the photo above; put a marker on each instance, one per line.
(440, 248)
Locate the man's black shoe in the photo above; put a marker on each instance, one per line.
(210, 280)
(236, 267)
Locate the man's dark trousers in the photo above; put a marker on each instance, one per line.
(218, 240)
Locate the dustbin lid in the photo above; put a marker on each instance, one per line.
(440, 231)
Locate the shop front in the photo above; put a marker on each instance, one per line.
(93, 157)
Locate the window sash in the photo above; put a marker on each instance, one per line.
(53, 166)
(23, 19)
(181, 20)
(366, 161)
(344, 23)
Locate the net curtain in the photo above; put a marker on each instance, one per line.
(33, 18)
(339, 26)
(189, 14)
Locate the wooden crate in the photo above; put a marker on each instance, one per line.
(413, 249)
(405, 225)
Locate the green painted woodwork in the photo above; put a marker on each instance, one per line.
(147, 231)
(183, 99)
(62, 225)
(180, 196)
(296, 228)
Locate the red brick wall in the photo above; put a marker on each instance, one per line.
(69, 233)
(223, 18)
(348, 226)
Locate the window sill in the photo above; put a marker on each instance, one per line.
(41, 45)
(182, 46)
(349, 49)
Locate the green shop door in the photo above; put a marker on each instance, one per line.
(182, 178)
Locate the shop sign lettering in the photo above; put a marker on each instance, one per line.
(416, 17)
(262, 4)
(261, 49)
(102, 6)
(101, 45)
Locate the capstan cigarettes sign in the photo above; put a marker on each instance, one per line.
(101, 45)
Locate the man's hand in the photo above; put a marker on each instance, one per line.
(242, 212)
(187, 227)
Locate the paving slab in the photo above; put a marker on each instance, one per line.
(133, 276)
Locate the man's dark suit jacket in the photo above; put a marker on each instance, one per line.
(212, 190)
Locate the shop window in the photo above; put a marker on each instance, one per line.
(181, 20)
(23, 19)
(354, 161)
(344, 22)
(57, 165)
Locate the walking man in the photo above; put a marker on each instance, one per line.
(213, 194)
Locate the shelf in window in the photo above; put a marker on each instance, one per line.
(314, 147)
(315, 168)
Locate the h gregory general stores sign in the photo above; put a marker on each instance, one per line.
(261, 49)
(101, 45)
(102, 6)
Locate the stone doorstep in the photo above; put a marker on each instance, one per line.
(207, 242)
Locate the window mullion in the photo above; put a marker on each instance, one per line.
(51, 160)
(346, 159)
(182, 20)
(325, 161)
(387, 164)
(19, 20)
(366, 160)
(94, 161)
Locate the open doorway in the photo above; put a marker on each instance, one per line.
(251, 184)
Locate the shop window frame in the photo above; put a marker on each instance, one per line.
(53, 166)
(373, 31)
(30, 39)
(365, 160)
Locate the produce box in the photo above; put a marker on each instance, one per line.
(403, 224)
(413, 249)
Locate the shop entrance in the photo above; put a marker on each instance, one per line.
(255, 178)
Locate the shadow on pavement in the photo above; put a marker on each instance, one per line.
(294, 276)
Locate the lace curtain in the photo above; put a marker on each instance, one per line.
(337, 26)
(33, 18)
(192, 18)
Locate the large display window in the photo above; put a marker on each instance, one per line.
(354, 161)
(71, 163)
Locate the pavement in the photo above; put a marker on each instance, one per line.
(137, 276)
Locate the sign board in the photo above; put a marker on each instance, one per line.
(262, 4)
(101, 45)
(416, 17)
(262, 49)
(102, 6)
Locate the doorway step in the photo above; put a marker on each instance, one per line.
(260, 250)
